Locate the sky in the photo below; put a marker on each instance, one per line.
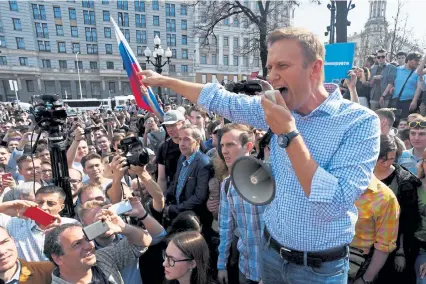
(319, 16)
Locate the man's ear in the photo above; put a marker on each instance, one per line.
(57, 259)
(249, 147)
(317, 68)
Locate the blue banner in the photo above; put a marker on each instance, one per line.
(339, 58)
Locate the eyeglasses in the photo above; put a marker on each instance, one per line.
(414, 124)
(381, 57)
(171, 262)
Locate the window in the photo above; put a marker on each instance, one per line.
(140, 36)
(184, 53)
(2, 41)
(123, 5)
(63, 64)
(93, 65)
(183, 10)
(88, 4)
(235, 60)
(17, 24)
(108, 48)
(203, 78)
(226, 22)
(106, 16)
(256, 62)
(61, 47)
(59, 30)
(143, 66)
(172, 68)
(156, 33)
(245, 42)
(3, 60)
(78, 64)
(92, 49)
(225, 41)
(43, 45)
(170, 10)
(155, 5)
(174, 53)
(140, 6)
(203, 59)
(236, 23)
(156, 20)
(39, 13)
(140, 51)
(74, 31)
(57, 12)
(75, 47)
(184, 39)
(20, 43)
(104, 2)
(214, 59)
(23, 61)
(245, 23)
(183, 25)
(13, 6)
(225, 60)
(72, 13)
(126, 34)
(90, 34)
(110, 65)
(123, 19)
(203, 17)
(46, 63)
(89, 17)
(184, 68)
(140, 21)
(171, 39)
(107, 32)
(30, 85)
(111, 85)
(170, 25)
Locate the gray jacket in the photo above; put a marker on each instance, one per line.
(110, 260)
(388, 76)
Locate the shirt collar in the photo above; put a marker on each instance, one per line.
(375, 184)
(191, 158)
(15, 278)
(331, 105)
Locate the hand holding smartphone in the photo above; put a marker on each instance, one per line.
(39, 216)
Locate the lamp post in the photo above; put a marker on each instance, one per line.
(158, 54)
(78, 72)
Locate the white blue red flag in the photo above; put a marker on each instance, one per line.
(149, 101)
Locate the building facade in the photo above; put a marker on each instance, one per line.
(44, 44)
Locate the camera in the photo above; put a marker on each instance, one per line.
(134, 152)
(48, 111)
(248, 87)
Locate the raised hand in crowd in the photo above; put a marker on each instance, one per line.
(16, 208)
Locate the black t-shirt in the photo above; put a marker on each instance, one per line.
(168, 155)
(389, 179)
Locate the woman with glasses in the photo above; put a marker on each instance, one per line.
(186, 259)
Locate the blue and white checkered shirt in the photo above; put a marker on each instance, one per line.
(342, 137)
(183, 175)
(237, 216)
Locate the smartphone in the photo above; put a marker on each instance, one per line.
(38, 215)
(5, 177)
(121, 207)
(95, 230)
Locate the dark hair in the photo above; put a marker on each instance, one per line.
(370, 59)
(185, 221)
(413, 56)
(193, 246)
(387, 144)
(388, 114)
(51, 189)
(198, 109)
(25, 159)
(52, 246)
(89, 157)
(401, 53)
(381, 50)
(404, 134)
(41, 148)
(246, 135)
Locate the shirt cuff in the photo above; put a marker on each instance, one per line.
(387, 248)
(207, 94)
(323, 186)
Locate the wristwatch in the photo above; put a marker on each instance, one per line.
(285, 139)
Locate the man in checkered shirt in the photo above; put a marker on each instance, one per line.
(322, 156)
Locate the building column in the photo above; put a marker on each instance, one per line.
(220, 50)
(103, 85)
(231, 51)
(120, 91)
(88, 89)
(57, 87)
(39, 85)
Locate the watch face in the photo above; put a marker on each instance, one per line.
(283, 141)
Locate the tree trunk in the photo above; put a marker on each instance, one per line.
(263, 46)
(341, 21)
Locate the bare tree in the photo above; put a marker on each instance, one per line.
(256, 22)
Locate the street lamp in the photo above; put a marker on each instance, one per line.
(78, 72)
(158, 54)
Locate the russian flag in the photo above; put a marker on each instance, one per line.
(131, 64)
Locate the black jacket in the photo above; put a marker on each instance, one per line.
(405, 186)
(195, 190)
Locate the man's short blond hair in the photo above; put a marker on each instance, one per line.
(312, 46)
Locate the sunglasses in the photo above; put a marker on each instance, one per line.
(381, 57)
(414, 124)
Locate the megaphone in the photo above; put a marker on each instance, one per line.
(253, 180)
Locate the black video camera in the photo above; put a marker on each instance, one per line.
(134, 152)
(48, 111)
(249, 87)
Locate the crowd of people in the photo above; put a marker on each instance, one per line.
(350, 204)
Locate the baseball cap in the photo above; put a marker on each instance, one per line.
(172, 117)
